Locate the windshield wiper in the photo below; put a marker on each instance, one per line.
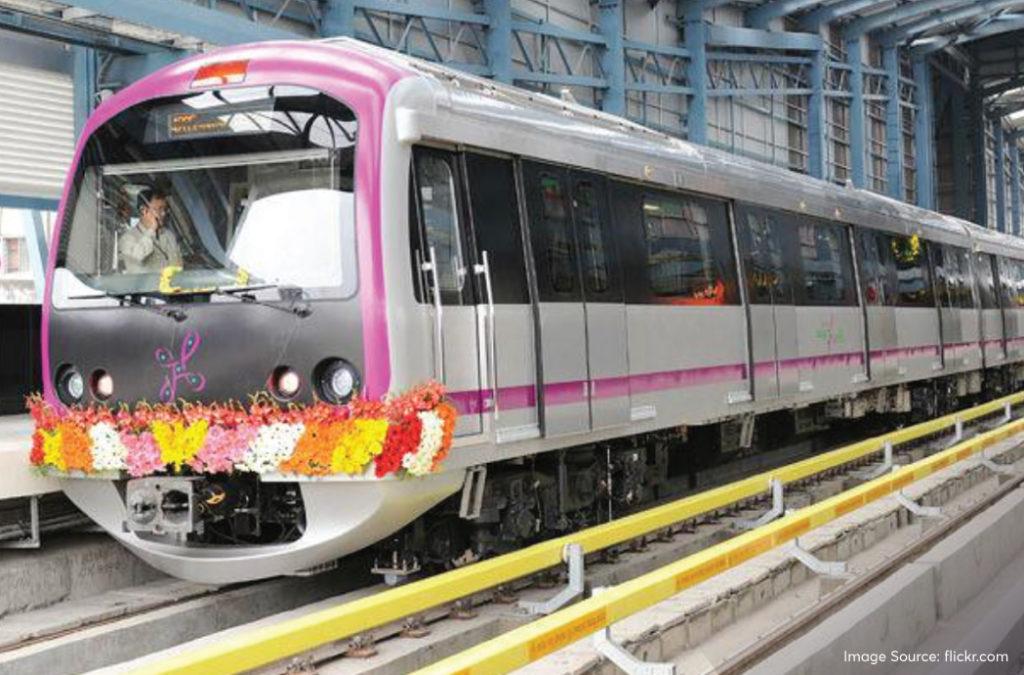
(291, 294)
(134, 300)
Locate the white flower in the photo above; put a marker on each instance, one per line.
(108, 451)
(273, 444)
(421, 462)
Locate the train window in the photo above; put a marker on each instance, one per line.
(591, 238)
(557, 252)
(913, 283)
(437, 209)
(875, 268)
(1010, 278)
(681, 264)
(495, 214)
(964, 278)
(944, 271)
(983, 272)
(766, 238)
(626, 202)
(826, 266)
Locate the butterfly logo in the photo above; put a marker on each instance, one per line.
(177, 369)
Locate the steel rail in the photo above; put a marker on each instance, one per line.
(273, 643)
(531, 642)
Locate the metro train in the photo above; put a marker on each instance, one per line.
(607, 307)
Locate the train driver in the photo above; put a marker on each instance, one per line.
(150, 246)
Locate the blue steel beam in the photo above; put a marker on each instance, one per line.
(499, 39)
(890, 18)
(961, 150)
(1000, 148)
(613, 56)
(832, 12)
(85, 75)
(35, 240)
(893, 123)
(420, 10)
(948, 18)
(980, 164)
(1015, 178)
(817, 137)
(74, 34)
(177, 16)
(730, 36)
(338, 18)
(924, 138)
(761, 16)
(858, 142)
(695, 40)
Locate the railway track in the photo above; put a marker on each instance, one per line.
(366, 625)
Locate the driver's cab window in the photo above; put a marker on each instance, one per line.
(437, 241)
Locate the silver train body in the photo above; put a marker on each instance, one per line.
(552, 331)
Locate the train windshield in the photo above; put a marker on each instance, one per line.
(219, 190)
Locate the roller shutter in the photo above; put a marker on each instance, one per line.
(36, 130)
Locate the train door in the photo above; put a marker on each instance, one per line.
(949, 286)
(579, 296)
(764, 242)
(993, 334)
(879, 294)
(603, 302)
(510, 366)
(439, 245)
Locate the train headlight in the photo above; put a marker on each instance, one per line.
(70, 385)
(337, 381)
(285, 382)
(102, 385)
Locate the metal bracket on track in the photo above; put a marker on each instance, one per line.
(823, 568)
(958, 432)
(572, 554)
(887, 463)
(998, 469)
(917, 509)
(33, 540)
(622, 659)
(777, 511)
(1007, 412)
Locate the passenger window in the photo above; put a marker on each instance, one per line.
(913, 283)
(557, 252)
(495, 212)
(944, 270)
(591, 237)
(983, 272)
(964, 279)
(825, 263)
(682, 267)
(875, 268)
(437, 207)
(765, 259)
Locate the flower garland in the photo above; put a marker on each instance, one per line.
(407, 434)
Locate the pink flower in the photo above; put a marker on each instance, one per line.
(223, 448)
(143, 455)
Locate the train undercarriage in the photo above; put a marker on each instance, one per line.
(505, 506)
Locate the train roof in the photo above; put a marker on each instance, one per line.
(474, 96)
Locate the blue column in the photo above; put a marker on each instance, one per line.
(858, 142)
(613, 58)
(924, 134)
(499, 39)
(961, 150)
(1014, 185)
(85, 78)
(816, 129)
(980, 164)
(695, 39)
(339, 18)
(1000, 144)
(893, 123)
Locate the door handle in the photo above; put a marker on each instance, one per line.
(431, 266)
(484, 269)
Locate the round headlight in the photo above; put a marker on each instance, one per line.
(102, 385)
(337, 381)
(70, 385)
(285, 382)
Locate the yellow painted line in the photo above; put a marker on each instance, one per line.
(296, 636)
(524, 645)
